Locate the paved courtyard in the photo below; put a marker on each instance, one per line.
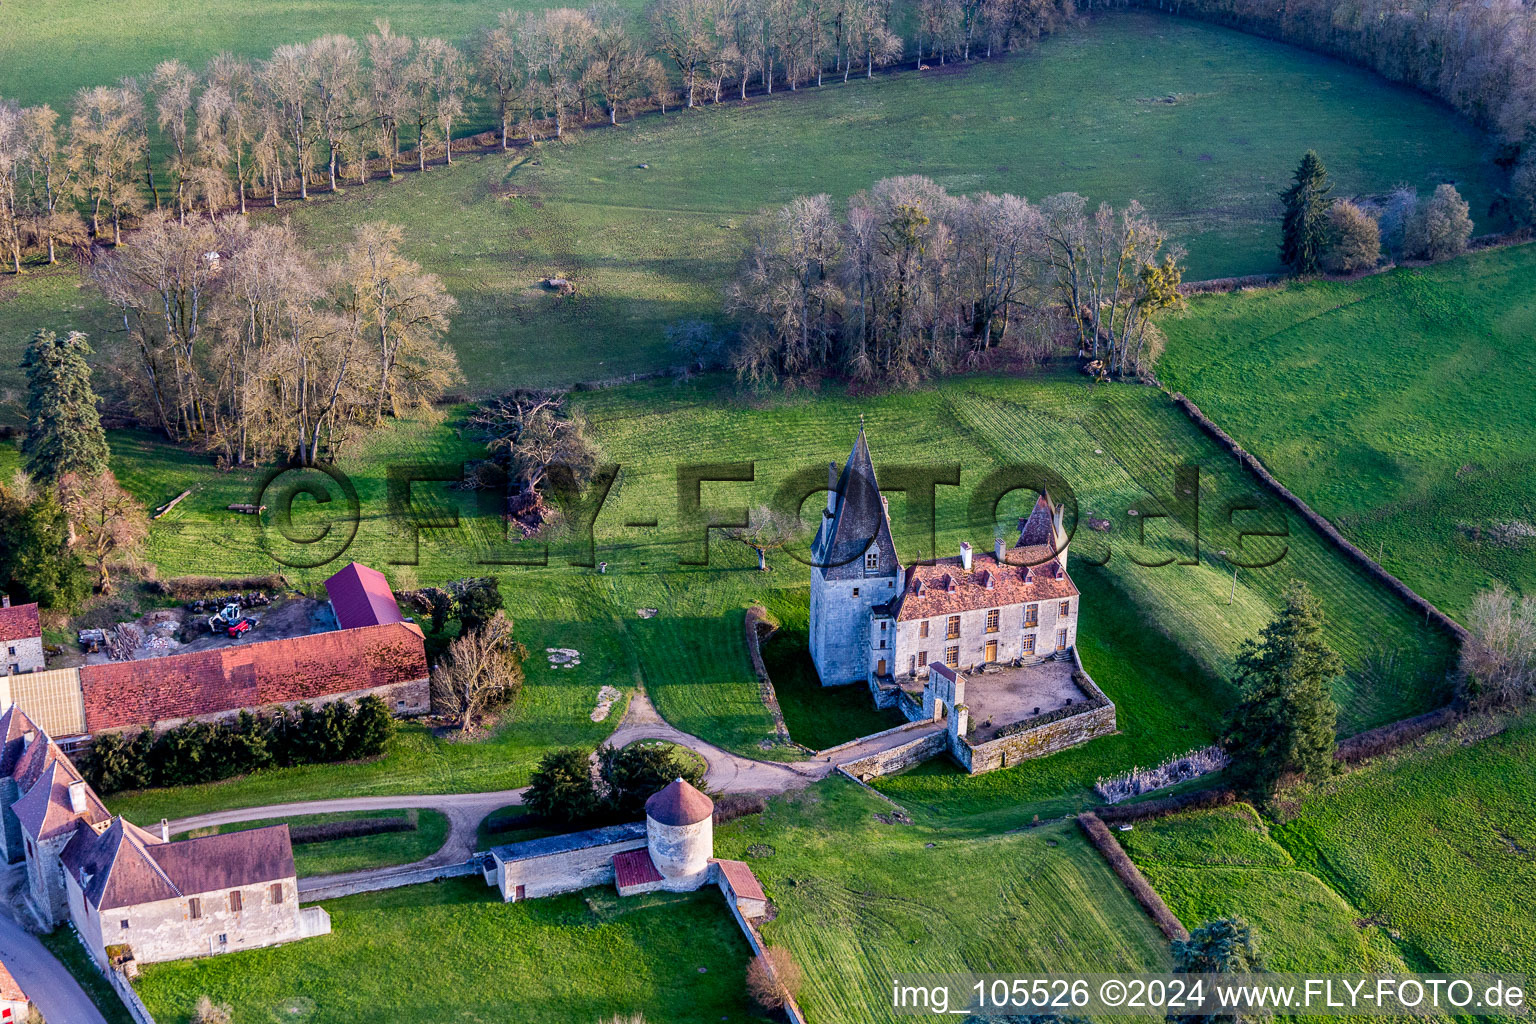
(1006, 695)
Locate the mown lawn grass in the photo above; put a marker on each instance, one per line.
(818, 716)
(1399, 406)
(454, 951)
(1160, 638)
(1088, 111)
(335, 856)
(860, 901)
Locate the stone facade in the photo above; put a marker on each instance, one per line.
(899, 758)
(1023, 633)
(545, 867)
(1048, 738)
(24, 654)
(166, 930)
(681, 852)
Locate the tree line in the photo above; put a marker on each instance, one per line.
(340, 109)
(913, 281)
(1476, 57)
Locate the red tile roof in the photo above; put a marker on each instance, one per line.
(679, 804)
(361, 597)
(944, 588)
(743, 882)
(19, 622)
(9, 990)
(634, 867)
(248, 675)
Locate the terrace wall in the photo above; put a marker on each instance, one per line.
(1047, 738)
(900, 757)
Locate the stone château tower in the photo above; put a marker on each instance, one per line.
(855, 569)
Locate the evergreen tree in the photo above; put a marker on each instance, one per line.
(1304, 232)
(561, 788)
(36, 561)
(1225, 946)
(635, 773)
(1285, 721)
(64, 432)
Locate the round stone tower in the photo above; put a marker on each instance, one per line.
(680, 833)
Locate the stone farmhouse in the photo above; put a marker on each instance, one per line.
(1007, 619)
(15, 1007)
(21, 637)
(374, 651)
(131, 894)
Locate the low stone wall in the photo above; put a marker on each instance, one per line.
(756, 622)
(898, 758)
(375, 881)
(131, 1001)
(1318, 523)
(1044, 739)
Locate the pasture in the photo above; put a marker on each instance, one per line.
(861, 899)
(1200, 124)
(1420, 859)
(1399, 406)
(453, 951)
(1162, 616)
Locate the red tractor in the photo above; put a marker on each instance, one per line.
(233, 624)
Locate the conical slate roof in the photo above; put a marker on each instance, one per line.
(860, 522)
(679, 804)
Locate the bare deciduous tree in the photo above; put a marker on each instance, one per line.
(482, 670)
(106, 521)
(1498, 660)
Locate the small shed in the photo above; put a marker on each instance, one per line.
(361, 596)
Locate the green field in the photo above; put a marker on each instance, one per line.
(860, 900)
(1421, 859)
(336, 856)
(1160, 640)
(1399, 406)
(649, 247)
(453, 951)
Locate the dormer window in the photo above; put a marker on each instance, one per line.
(1056, 570)
(917, 586)
(872, 561)
(1029, 574)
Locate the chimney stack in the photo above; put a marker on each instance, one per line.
(831, 489)
(77, 797)
(5, 600)
(997, 550)
(165, 831)
(965, 555)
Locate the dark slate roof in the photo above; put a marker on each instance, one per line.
(19, 622)
(361, 597)
(14, 726)
(679, 804)
(569, 842)
(859, 523)
(1039, 528)
(45, 810)
(126, 866)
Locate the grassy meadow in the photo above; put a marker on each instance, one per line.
(360, 853)
(1419, 861)
(1159, 638)
(586, 956)
(1200, 124)
(1399, 406)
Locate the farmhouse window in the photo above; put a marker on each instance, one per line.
(922, 629)
(277, 892)
(855, 591)
(1061, 639)
(13, 651)
(882, 625)
(922, 658)
(236, 901)
(1065, 609)
(1029, 644)
(872, 561)
(195, 908)
(1032, 615)
(123, 924)
(952, 657)
(953, 629)
(992, 620)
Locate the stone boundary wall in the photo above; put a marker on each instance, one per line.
(1317, 522)
(757, 616)
(1046, 738)
(1104, 841)
(386, 879)
(898, 758)
(759, 948)
(849, 744)
(125, 991)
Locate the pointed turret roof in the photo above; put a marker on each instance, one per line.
(14, 726)
(1040, 527)
(860, 521)
(679, 804)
